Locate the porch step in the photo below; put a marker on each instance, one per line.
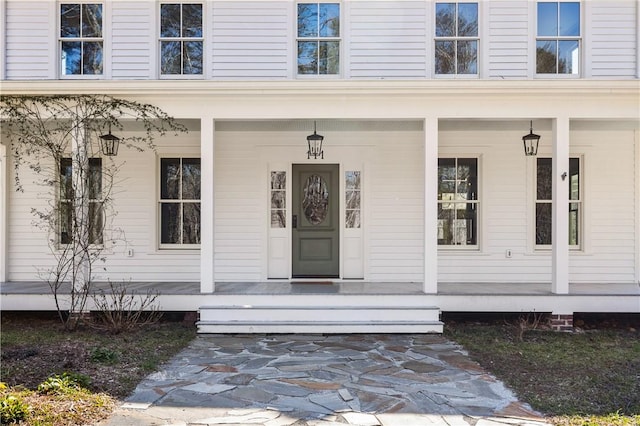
(319, 319)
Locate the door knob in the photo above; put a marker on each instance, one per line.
(294, 221)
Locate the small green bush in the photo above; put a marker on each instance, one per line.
(105, 356)
(12, 409)
(64, 383)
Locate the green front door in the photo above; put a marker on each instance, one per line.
(316, 224)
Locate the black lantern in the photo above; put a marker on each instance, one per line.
(530, 142)
(315, 144)
(109, 144)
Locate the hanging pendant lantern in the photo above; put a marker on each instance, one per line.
(530, 142)
(314, 142)
(109, 144)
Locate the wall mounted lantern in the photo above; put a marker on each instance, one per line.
(315, 144)
(109, 144)
(530, 142)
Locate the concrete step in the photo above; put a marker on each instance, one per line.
(319, 319)
(320, 327)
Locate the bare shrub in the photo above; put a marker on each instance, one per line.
(120, 310)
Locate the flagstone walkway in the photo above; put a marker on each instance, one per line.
(358, 379)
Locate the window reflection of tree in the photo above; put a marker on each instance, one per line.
(315, 202)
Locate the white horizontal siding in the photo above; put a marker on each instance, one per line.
(395, 208)
(131, 225)
(29, 38)
(132, 42)
(508, 39)
(239, 223)
(250, 40)
(612, 39)
(387, 39)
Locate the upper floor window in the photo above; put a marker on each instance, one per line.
(318, 38)
(558, 38)
(179, 202)
(456, 40)
(181, 39)
(94, 220)
(544, 202)
(81, 39)
(458, 201)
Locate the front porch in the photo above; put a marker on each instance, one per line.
(347, 306)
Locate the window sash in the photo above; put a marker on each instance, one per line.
(318, 42)
(182, 45)
(81, 39)
(66, 199)
(179, 202)
(456, 43)
(458, 202)
(543, 203)
(558, 38)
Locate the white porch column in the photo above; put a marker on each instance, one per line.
(207, 200)
(3, 212)
(560, 207)
(430, 205)
(80, 238)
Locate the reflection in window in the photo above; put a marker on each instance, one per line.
(180, 201)
(318, 38)
(66, 198)
(544, 201)
(81, 39)
(558, 38)
(352, 199)
(278, 199)
(456, 42)
(181, 39)
(315, 199)
(457, 201)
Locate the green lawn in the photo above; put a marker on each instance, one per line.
(588, 378)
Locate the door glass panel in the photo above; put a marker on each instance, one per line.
(315, 202)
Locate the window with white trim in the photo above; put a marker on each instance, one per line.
(179, 205)
(543, 211)
(456, 38)
(81, 39)
(558, 38)
(458, 201)
(95, 219)
(318, 38)
(181, 39)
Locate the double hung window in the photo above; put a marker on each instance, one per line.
(544, 202)
(181, 39)
(81, 39)
(179, 202)
(67, 195)
(458, 201)
(318, 38)
(456, 38)
(558, 38)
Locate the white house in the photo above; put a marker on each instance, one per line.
(423, 199)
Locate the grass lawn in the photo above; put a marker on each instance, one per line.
(588, 378)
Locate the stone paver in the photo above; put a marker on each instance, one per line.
(305, 380)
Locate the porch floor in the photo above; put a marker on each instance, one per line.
(339, 287)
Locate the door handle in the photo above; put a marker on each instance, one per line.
(294, 221)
